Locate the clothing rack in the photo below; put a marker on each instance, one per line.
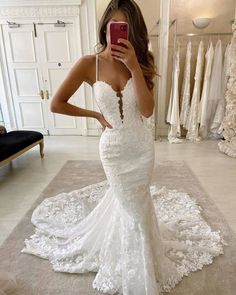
(197, 34)
(203, 34)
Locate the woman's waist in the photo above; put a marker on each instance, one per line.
(125, 123)
(132, 127)
(136, 132)
(116, 120)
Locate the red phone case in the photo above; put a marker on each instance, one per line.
(119, 30)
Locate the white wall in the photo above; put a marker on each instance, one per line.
(220, 12)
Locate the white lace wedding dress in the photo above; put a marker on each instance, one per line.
(174, 130)
(202, 115)
(185, 90)
(192, 120)
(139, 239)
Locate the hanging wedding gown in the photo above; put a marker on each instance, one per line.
(173, 109)
(185, 91)
(139, 239)
(215, 91)
(192, 122)
(216, 127)
(202, 118)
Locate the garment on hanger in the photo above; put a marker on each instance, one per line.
(215, 91)
(216, 127)
(173, 110)
(192, 121)
(185, 90)
(202, 117)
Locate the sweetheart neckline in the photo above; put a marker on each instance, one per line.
(108, 84)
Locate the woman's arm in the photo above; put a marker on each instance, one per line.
(145, 97)
(76, 76)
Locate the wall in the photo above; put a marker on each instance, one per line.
(221, 12)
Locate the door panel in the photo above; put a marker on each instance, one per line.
(61, 40)
(25, 77)
(57, 57)
(32, 113)
(22, 76)
(22, 45)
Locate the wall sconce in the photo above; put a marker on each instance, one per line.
(201, 23)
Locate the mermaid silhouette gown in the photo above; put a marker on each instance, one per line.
(139, 239)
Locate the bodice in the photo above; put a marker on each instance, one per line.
(108, 103)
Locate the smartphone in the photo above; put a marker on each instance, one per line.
(119, 30)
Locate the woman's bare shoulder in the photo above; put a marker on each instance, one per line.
(87, 65)
(88, 59)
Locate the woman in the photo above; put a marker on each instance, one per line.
(119, 238)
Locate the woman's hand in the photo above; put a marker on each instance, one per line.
(126, 54)
(103, 121)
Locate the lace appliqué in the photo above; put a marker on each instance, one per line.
(189, 242)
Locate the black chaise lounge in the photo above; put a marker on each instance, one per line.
(15, 143)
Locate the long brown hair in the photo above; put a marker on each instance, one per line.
(138, 35)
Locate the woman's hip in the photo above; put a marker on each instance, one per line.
(126, 144)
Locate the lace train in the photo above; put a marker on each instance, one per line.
(74, 244)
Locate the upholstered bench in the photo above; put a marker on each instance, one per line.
(15, 143)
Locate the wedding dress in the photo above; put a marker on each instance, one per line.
(216, 127)
(202, 117)
(192, 121)
(173, 110)
(138, 238)
(185, 90)
(215, 91)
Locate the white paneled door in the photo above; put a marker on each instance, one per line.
(39, 56)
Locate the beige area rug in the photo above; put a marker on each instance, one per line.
(35, 275)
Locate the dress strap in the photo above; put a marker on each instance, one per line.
(96, 67)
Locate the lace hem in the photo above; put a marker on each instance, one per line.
(112, 242)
